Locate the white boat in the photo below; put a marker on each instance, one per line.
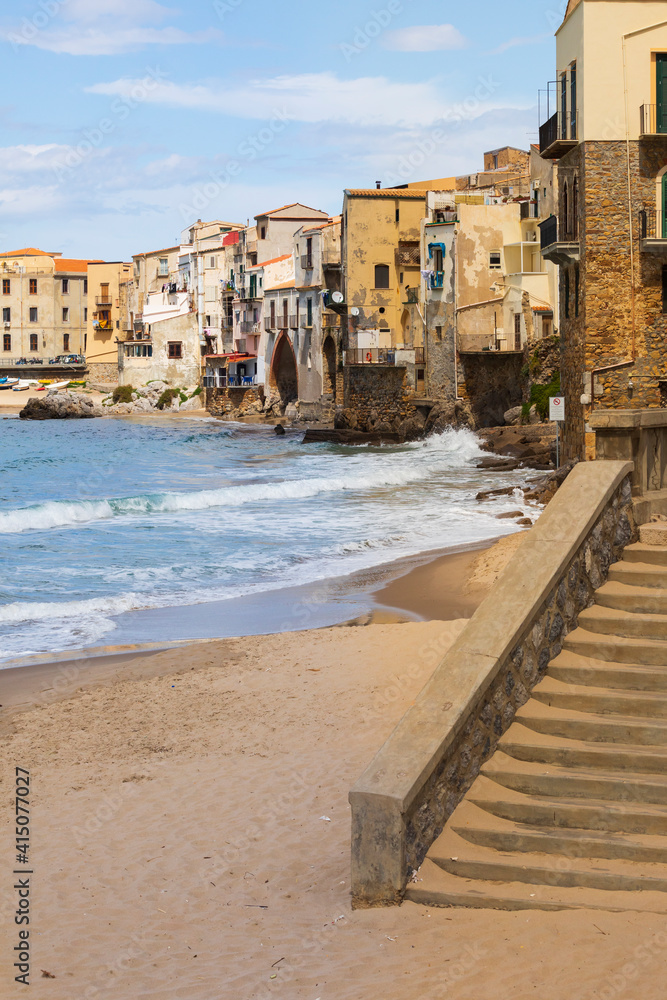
(25, 383)
(8, 383)
(56, 385)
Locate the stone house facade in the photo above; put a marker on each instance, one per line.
(608, 232)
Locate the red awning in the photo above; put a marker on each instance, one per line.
(231, 358)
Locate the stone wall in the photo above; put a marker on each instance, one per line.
(235, 402)
(440, 351)
(377, 398)
(402, 802)
(491, 382)
(103, 372)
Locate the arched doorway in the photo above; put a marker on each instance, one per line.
(329, 368)
(284, 379)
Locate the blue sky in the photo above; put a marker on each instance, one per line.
(124, 120)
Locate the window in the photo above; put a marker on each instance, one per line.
(495, 260)
(273, 314)
(285, 320)
(573, 101)
(65, 286)
(309, 312)
(576, 290)
(7, 342)
(382, 276)
(398, 214)
(517, 331)
(65, 315)
(6, 315)
(163, 267)
(175, 350)
(566, 294)
(6, 286)
(495, 161)
(85, 315)
(211, 262)
(546, 328)
(33, 342)
(437, 259)
(565, 210)
(85, 286)
(438, 333)
(262, 233)
(65, 341)
(33, 315)
(33, 286)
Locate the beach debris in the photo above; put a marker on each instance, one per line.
(255, 906)
(414, 877)
(389, 938)
(326, 819)
(278, 962)
(47, 975)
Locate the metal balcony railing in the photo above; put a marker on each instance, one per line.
(407, 254)
(381, 355)
(413, 296)
(103, 300)
(437, 279)
(331, 258)
(249, 327)
(558, 135)
(652, 120)
(548, 232)
(307, 262)
(652, 224)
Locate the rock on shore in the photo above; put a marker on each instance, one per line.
(60, 406)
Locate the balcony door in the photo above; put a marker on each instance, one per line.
(661, 92)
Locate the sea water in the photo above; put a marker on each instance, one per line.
(102, 518)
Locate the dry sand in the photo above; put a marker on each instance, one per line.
(191, 839)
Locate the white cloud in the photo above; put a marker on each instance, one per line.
(514, 43)
(104, 28)
(101, 42)
(308, 97)
(425, 38)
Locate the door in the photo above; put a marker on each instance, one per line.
(661, 228)
(661, 92)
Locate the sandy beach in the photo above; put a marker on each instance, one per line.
(190, 832)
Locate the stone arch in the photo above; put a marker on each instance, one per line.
(329, 368)
(284, 379)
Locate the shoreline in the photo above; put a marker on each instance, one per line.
(388, 593)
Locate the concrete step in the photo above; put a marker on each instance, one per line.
(639, 574)
(654, 534)
(591, 728)
(570, 813)
(601, 700)
(617, 649)
(641, 553)
(640, 600)
(609, 621)
(570, 668)
(476, 826)
(526, 744)
(438, 888)
(553, 781)
(470, 861)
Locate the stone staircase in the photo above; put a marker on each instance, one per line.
(571, 810)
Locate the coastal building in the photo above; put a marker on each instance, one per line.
(44, 300)
(608, 233)
(104, 319)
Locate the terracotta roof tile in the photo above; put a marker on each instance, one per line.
(284, 207)
(29, 252)
(385, 193)
(70, 264)
(278, 288)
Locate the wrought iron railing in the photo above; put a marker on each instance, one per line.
(652, 224)
(548, 232)
(407, 254)
(437, 279)
(381, 355)
(307, 262)
(652, 120)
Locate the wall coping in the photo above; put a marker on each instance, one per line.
(627, 419)
(431, 727)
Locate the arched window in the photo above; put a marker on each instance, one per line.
(564, 211)
(382, 276)
(573, 229)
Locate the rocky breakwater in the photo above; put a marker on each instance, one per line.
(127, 400)
(60, 406)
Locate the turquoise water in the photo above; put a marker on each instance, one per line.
(101, 518)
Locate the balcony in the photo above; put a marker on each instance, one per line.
(557, 245)
(307, 263)
(389, 356)
(529, 210)
(294, 322)
(407, 255)
(413, 297)
(270, 324)
(103, 301)
(331, 258)
(249, 327)
(652, 120)
(652, 230)
(553, 137)
(437, 279)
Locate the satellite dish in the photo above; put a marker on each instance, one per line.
(354, 311)
(338, 297)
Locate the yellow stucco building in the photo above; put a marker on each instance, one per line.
(104, 316)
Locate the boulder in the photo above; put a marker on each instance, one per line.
(292, 412)
(60, 406)
(534, 417)
(513, 416)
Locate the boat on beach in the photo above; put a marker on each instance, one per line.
(24, 384)
(8, 383)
